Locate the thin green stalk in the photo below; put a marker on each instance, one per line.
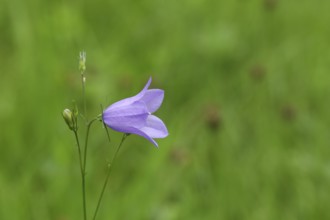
(108, 175)
(86, 141)
(82, 175)
(83, 82)
(83, 165)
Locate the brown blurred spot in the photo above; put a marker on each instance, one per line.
(125, 81)
(288, 112)
(156, 82)
(179, 156)
(257, 72)
(212, 117)
(72, 79)
(270, 4)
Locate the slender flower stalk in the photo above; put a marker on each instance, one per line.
(110, 165)
(82, 160)
(82, 170)
(86, 140)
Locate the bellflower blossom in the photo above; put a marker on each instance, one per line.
(134, 115)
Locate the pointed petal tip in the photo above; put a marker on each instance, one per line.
(149, 82)
(153, 99)
(155, 144)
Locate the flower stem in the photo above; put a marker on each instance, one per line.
(82, 175)
(86, 141)
(83, 82)
(82, 162)
(108, 175)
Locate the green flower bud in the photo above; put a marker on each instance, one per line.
(69, 118)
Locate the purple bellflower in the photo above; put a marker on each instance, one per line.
(134, 115)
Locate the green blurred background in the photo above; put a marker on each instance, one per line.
(246, 103)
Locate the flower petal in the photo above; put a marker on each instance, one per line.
(133, 130)
(134, 115)
(153, 98)
(130, 100)
(116, 123)
(155, 127)
(134, 108)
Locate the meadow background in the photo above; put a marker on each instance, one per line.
(246, 103)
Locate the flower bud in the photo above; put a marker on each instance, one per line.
(69, 118)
